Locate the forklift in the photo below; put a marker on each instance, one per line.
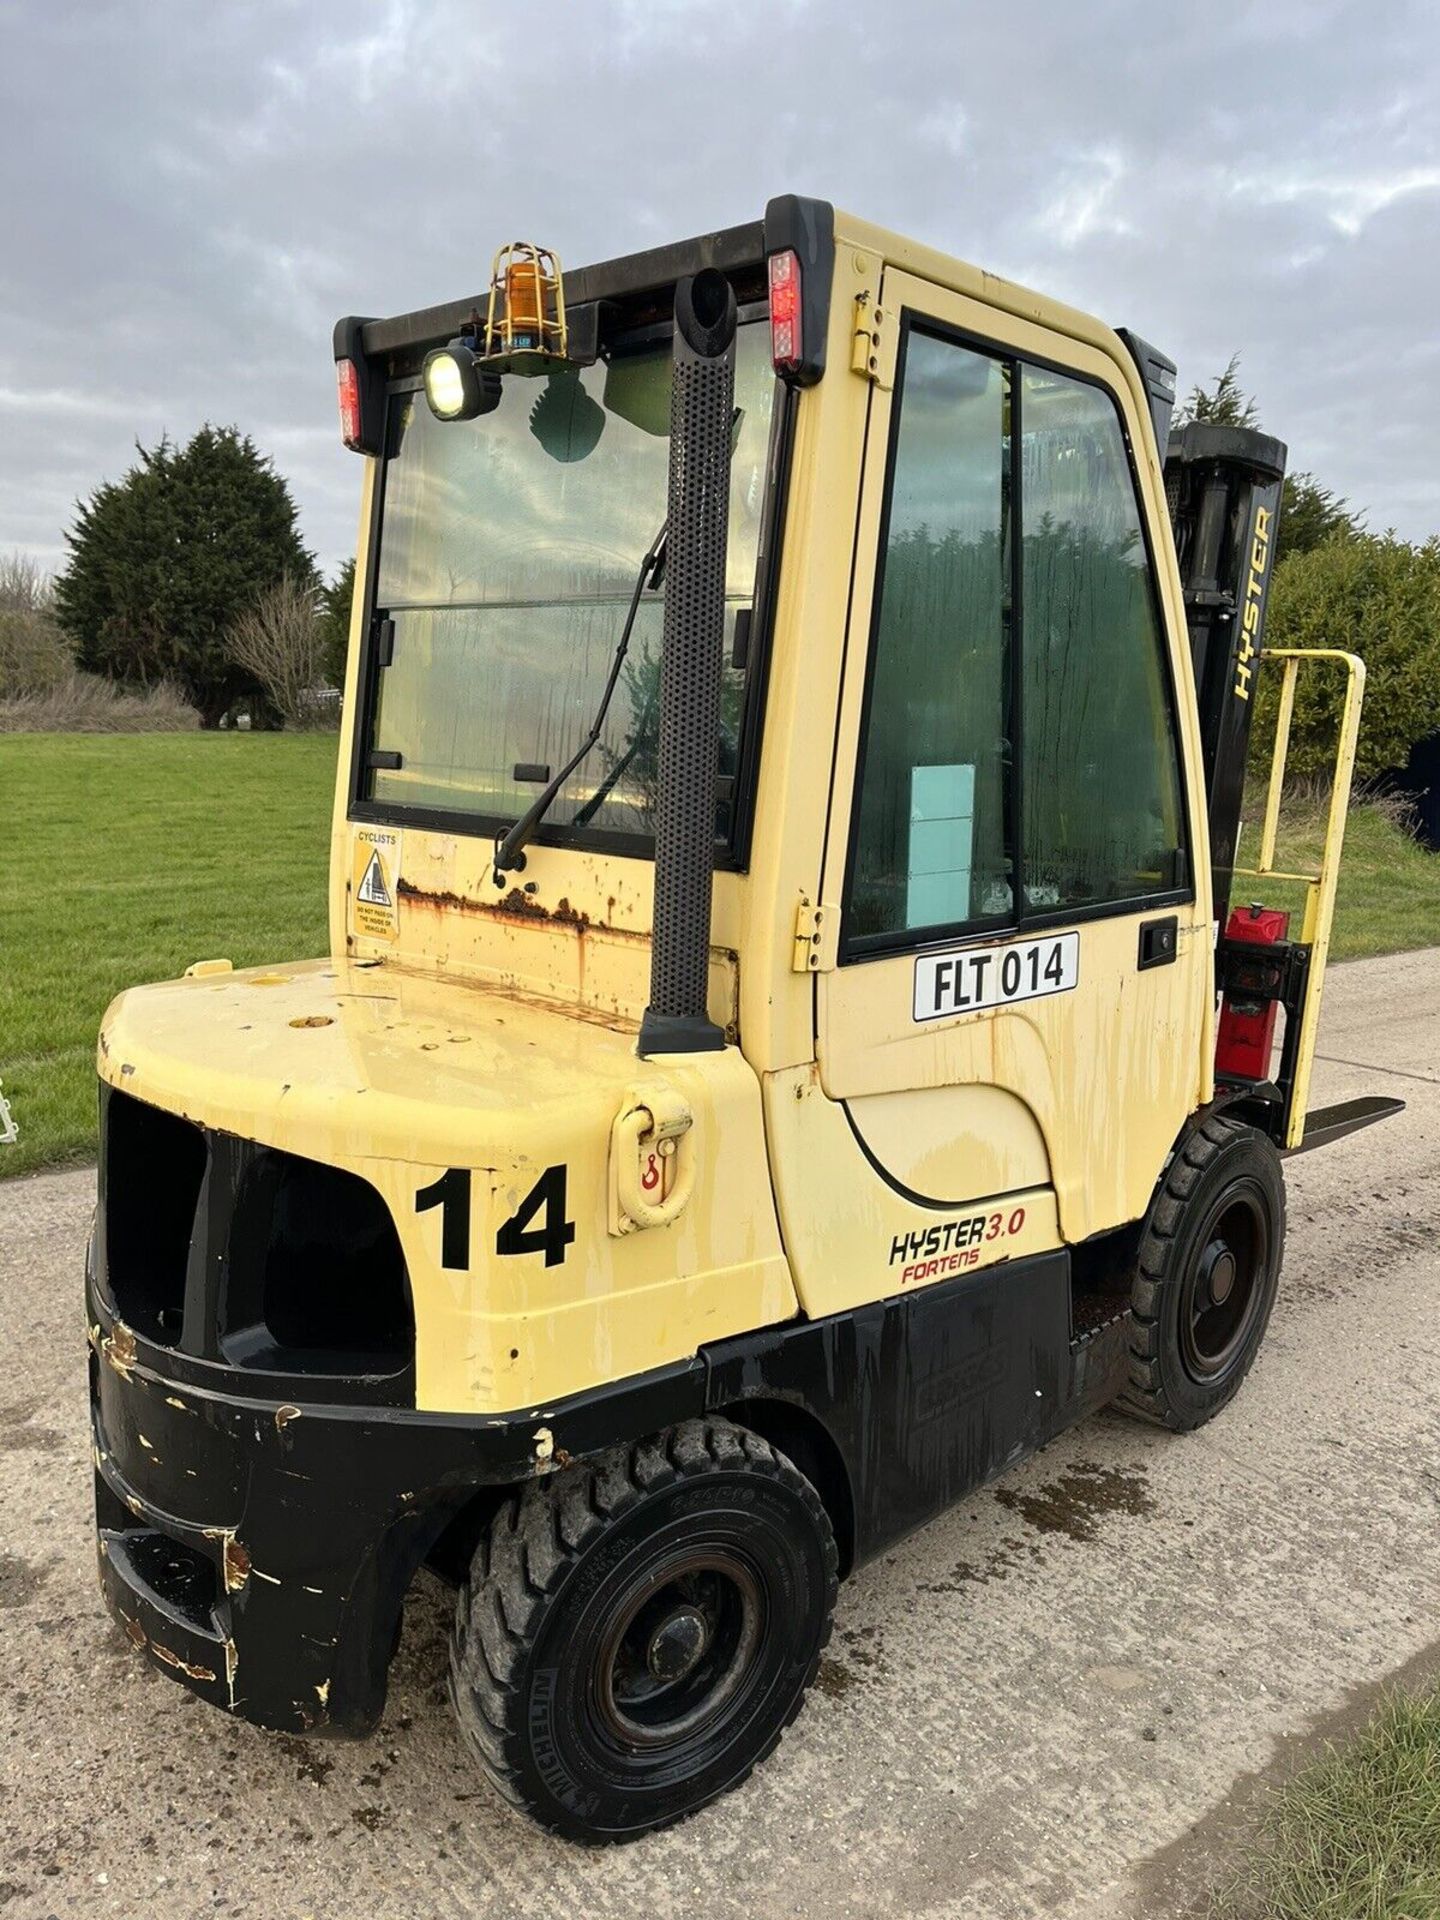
(786, 1049)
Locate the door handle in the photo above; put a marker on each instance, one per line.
(1159, 942)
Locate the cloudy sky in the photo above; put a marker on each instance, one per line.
(191, 193)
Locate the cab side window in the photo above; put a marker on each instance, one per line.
(934, 845)
(1101, 780)
(1018, 754)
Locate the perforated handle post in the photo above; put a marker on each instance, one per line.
(702, 398)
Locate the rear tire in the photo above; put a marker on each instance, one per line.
(1208, 1270)
(638, 1630)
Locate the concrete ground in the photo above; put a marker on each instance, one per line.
(1053, 1701)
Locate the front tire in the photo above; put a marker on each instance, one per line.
(638, 1630)
(1209, 1268)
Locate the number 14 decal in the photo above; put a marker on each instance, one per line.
(552, 1236)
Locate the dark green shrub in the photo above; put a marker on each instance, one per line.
(1380, 598)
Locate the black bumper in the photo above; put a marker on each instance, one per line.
(259, 1551)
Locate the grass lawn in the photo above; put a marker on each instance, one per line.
(1357, 1835)
(131, 856)
(1389, 899)
(134, 854)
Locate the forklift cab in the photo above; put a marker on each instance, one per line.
(763, 1079)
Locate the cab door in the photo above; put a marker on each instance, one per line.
(1013, 1031)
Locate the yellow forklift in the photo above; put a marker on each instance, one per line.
(785, 1051)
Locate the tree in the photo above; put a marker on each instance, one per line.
(1377, 597)
(337, 598)
(163, 561)
(33, 653)
(1223, 405)
(1310, 514)
(25, 586)
(280, 642)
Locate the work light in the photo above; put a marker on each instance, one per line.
(457, 386)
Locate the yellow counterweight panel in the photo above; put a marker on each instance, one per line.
(399, 1077)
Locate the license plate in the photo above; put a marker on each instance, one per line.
(974, 977)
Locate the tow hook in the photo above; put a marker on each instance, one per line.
(652, 1159)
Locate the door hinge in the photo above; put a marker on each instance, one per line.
(817, 930)
(869, 342)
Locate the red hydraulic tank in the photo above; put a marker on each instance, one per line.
(1247, 1026)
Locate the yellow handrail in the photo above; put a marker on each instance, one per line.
(1321, 886)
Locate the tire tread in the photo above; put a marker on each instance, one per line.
(1144, 1395)
(538, 1536)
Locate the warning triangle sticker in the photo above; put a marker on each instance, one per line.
(375, 883)
(373, 890)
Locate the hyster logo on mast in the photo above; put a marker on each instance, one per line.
(1254, 595)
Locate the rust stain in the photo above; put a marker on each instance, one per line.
(516, 906)
(237, 1563)
(135, 1631)
(181, 1666)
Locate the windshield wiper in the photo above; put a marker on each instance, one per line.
(510, 847)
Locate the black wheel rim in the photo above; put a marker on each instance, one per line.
(1226, 1285)
(682, 1641)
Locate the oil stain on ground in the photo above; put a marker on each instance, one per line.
(17, 1435)
(862, 1647)
(1072, 1505)
(309, 1765)
(18, 1580)
(1076, 1503)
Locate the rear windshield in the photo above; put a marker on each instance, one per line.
(509, 548)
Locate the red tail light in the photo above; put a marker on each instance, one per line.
(348, 380)
(786, 345)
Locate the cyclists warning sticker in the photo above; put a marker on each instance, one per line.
(374, 878)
